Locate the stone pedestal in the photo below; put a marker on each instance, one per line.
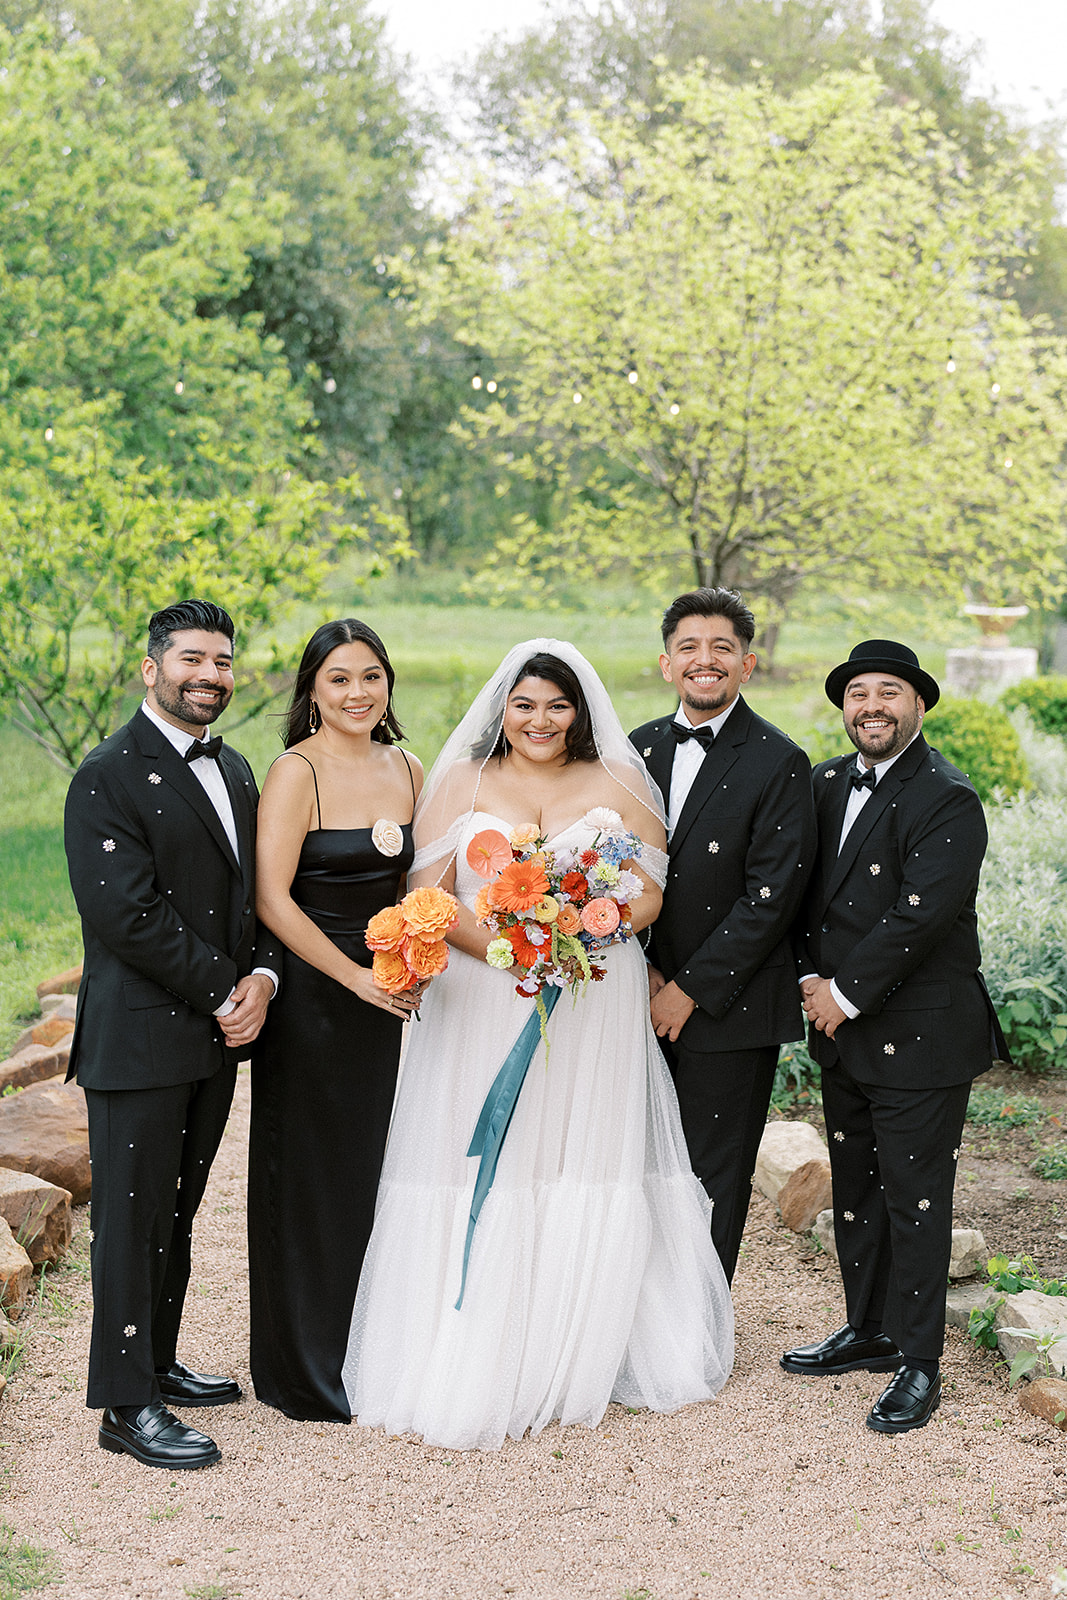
(988, 671)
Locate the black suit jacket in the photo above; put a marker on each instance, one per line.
(168, 912)
(892, 920)
(740, 858)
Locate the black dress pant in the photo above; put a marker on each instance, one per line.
(893, 1154)
(723, 1096)
(151, 1151)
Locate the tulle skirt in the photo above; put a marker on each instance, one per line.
(592, 1275)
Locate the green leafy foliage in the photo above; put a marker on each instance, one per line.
(1045, 699)
(1012, 1277)
(1050, 1163)
(981, 1325)
(980, 740)
(996, 1108)
(797, 1081)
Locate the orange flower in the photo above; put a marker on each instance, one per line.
(526, 834)
(429, 912)
(482, 908)
(488, 853)
(568, 921)
(425, 958)
(526, 954)
(575, 884)
(600, 917)
(386, 930)
(520, 886)
(390, 972)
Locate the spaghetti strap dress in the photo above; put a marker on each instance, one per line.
(322, 1096)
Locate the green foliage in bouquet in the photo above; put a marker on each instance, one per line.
(980, 740)
(1045, 699)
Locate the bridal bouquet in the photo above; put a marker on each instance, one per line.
(408, 939)
(550, 910)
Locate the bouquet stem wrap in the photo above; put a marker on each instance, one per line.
(495, 1117)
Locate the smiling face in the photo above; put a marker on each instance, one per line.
(351, 690)
(707, 662)
(193, 682)
(536, 719)
(882, 715)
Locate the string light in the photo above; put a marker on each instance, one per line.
(631, 376)
(330, 385)
(577, 397)
(179, 387)
(675, 408)
(950, 365)
(48, 435)
(491, 386)
(1008, 463)
(476, 381)
(995, 390)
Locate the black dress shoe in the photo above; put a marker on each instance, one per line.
(180, 1386)
(157, 1439)
(844, 1351)
(908, 1401)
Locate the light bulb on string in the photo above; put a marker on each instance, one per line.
(491, 386)
(1008, 463)
(476, 381)
(950, 365)
(330, 385)
(577, 397)
(995, 390)
(179, 387)
(675, 408)
(48, 436)
(631, 376)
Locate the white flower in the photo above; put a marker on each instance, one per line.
(714, 847)
(889, 1049)
(604, 820)
(647, 752)
(129, 1330)
(956, 1153)
(765, 893)
(153, 777)
(924, 1205)
(109, 845)
(839, 1136)
(831, 772)
(875, 869)
(629, 887)
(914, 899)
(849, 1216)
(605, 873)
(500, 954)
(92, 1235)
(387, 837)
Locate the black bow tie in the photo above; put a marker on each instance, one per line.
(682, 731)
(204, 747)
(863, 780)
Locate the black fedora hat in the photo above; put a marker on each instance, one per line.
(882, 655)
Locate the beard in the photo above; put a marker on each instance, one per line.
(173, 698)
(883, 746)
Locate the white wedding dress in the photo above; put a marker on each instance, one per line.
(592, 1274)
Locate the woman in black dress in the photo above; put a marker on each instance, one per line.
(334, 844)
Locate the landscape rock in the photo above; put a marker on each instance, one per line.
(63, 983)
(60, 1005)
(38, 1213)
(823, 1229)
(16, 1272)
(806, 1193)
(1046, 1398)
(1039, 1313)
(48, 1031)
(962, 1299)
(785, 1146)
(45, 1129)
(969, 1253)
(35, 1063)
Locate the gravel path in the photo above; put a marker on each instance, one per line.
(775, 1489)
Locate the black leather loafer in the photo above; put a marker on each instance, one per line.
(908, 1401)
(844, 1351)
(158, 1439)
(180, 1386)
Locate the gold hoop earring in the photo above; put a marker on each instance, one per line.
(313, 718)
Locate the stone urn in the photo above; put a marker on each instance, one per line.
(994, 665)
(996, 622)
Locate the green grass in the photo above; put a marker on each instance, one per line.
(23, 1566)
(442, 654)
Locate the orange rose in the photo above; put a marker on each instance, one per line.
(482, 908)
(425, 958)
(568, 921)
(386, 930)
(488, 852)
(519, 886)
(600, 917)
(390, 972)
(429, 912)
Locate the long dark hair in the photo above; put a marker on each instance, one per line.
(579, 740)
(348, 630)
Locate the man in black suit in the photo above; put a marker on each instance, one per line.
(742, 843)
(160, 838)
(888, 962)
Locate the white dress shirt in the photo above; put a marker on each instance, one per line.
(688, 759)
(209, 775)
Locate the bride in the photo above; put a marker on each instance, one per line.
(592, 1276)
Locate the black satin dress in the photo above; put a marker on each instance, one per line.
(322, 1096)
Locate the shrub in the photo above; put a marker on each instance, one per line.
(797, 1081)
(1045, 699)
(980, 740)
(1044, 754)
(996, 1108)
(1022, 911)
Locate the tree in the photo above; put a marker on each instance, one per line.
(144, 446)
(726, 342)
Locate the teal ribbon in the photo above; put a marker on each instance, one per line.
(495, 1117)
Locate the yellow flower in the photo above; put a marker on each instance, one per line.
(547, 910)
(526, 833)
